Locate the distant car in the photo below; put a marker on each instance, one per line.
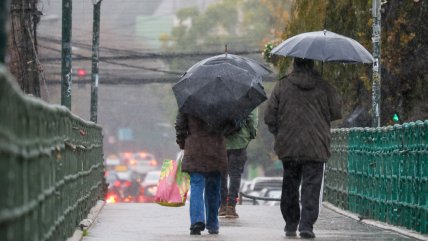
(140, 162)
(149, 187)
(254, 187)
(270, 193)
(258, 183)
(111, 162)
(123, 186)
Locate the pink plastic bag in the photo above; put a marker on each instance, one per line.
(173, 184)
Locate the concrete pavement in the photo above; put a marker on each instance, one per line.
(152, 222)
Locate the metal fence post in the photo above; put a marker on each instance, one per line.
(95, 60)
(4, 15)
(66, 68)
(376, 85)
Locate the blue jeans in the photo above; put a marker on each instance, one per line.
(205, 194)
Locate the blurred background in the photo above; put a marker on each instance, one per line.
(145, 46)
(143, 52)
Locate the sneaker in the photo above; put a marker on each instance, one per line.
(290, 233)
(306, 234)
(231, 212)
(212, 231)
(222, 211)
(195, 232)
(196, 228)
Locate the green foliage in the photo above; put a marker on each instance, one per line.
(404, 34)
(221, 23)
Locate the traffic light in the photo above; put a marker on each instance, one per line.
(81, 72)
(396, 118)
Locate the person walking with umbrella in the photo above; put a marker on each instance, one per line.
(298, 114)
(212, 96)
(205, 160)
(236, 145)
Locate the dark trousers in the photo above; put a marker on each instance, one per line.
(310, 176)
(236, 162)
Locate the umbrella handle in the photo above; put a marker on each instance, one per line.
(225, 49)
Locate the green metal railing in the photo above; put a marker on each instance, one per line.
(51, 167)
(381, 173)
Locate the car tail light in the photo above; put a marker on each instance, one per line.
(111, 198)
(116, 183)
(127, 184)
(143, 154)
(153, 163)
(127, 155)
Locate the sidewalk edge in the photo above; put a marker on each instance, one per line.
(88, 222)
(379, 224)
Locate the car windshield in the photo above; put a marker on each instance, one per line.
(274, 193)
(124, 175)
(152, 176)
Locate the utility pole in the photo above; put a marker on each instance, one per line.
(4, 16)
(66, 69)
(376, 85)
(95, 60)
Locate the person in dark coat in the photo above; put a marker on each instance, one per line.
(298, 114)
(205, 160)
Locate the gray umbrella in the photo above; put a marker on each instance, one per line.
(219, 93)
(252, 66)
(325, 46)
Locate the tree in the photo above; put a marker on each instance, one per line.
(22, 39)
(404, 55)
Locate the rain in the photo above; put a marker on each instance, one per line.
(93, 134)
(136, 106)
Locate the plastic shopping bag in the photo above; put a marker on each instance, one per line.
(173, 184)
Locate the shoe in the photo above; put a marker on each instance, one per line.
(306, 234)
(222, 211)
(231, 212)
(195, 232)
(290, 233)
(213, 231)
(196, 228)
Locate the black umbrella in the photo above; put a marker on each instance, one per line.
(325, 46)
(252, 66)
(219, 93)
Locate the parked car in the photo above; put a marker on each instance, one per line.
(270, 193)
(149, 187)
(258, 183)
(254, 188)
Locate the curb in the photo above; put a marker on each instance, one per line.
(85, 224)
(382, 225)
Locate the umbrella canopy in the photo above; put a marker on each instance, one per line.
(252, 66)
(219, 93)
(324, 46)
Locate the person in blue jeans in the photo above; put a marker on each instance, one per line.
(205, 160)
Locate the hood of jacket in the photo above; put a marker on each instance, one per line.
(302, 80)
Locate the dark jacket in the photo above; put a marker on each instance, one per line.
(299, 113)
(204, 149)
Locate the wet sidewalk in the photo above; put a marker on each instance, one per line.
(152, 222)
